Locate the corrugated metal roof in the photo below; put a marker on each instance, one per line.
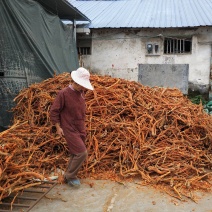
(146, 13)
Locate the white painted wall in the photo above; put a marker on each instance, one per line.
(117, 52)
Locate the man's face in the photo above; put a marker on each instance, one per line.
(79, 87)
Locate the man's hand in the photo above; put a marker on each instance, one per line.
(59, 130)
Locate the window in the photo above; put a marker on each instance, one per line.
(177, 45)
(84, 50)
(84, 44)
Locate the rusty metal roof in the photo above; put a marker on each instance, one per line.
(146, 13)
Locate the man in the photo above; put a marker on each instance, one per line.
(68, 114)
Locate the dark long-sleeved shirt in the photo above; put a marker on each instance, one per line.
(68, 109)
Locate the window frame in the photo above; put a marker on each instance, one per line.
(177, 45)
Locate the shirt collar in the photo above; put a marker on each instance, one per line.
(70, 86)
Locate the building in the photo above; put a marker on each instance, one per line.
(155, 42)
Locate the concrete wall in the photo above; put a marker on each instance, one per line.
(164, 75)
(118, 52)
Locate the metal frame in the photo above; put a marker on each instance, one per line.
(38, 191)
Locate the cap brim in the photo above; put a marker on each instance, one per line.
(84, 83)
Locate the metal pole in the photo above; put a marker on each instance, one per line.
(75, 30)
(210, 79)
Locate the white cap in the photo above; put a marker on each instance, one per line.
(82, 77)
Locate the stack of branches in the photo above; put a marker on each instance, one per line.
(134, 132)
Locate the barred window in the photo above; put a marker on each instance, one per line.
(84, 43)
(84, 50)
(177, 45)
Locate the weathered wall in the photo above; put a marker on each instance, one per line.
(117, 52)
(164, 75)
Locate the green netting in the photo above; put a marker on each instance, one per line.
(33, 46)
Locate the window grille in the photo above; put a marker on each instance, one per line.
(84, 50)
(177, 45)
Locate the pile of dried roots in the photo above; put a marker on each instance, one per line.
(134, 132)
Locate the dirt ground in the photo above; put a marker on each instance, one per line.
(108, 196)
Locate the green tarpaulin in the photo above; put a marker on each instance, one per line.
(33, 46)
